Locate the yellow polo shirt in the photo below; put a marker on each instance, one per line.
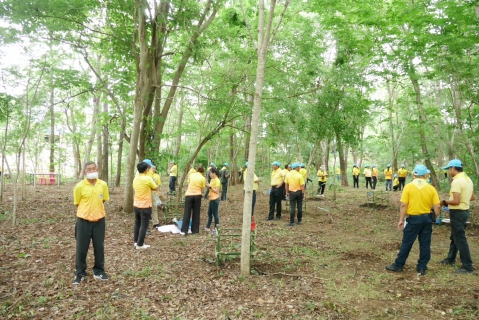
(216, 184)
(294, 180)
(375, 172)
(196, 185)
(356, 171)
(388, 174)
(303, 173)
(402, 173)
(322, 175)
(143, 185)
(89, 199)
(174, 171)
(420, 196)
(395, 182)
(156, 177)
(277, 177)
(462, 184)
(367, 173)
(338, 170)
(255, 182)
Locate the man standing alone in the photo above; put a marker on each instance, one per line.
(89, 196)
(224, 179)
(417, 199)
(402, 175)
(388, 175)
(276, 193)
(295, 192)
(173, 175)
(460, 195)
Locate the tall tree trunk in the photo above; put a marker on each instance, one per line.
(247, 128)
(105, 148)
(120, 152)
(52, 132)
(422, 121)
(180, 120)
(233, 180)
(343, 162)
(394, 150)
(91, 140)
(3, 153)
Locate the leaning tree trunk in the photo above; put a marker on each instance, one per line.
(52, 132)
(105, 147)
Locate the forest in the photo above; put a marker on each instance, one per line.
(318, 82)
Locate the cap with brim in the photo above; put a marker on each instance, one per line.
(322, 167)
(302, 165)
(388, 165)
(420, 170)
(367, 166)
(395, 175)
(226, 164)
(355, 165)
(276, 163)
(148, 162)
(295, 165)
(246, 164)
(212, 165)
(454, 163)
(428, 171)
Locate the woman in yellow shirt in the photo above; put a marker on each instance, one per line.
(215, 188)
(193, 201)
(356, 176)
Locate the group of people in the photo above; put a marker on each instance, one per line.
(394, 181)
(415, 218)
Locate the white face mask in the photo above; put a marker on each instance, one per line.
(92, 175)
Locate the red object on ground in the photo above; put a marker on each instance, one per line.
(253, 224)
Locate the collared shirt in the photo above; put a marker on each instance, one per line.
(322, 175)
(367, 173)
(338, 170)
(395, 182)
(277, 177)
(156, 177)
(303, 173)
(462, 184)
(388, 173)
(255, 182)
(143, 185)
(375, 172)
(215, 183)
(355, 171)
(174, 171)
(89, 199)
(420, 196)
(402, 173)
(294, 180)
(196, 185)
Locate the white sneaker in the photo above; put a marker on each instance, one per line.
(318, 195)
(143, 247)
(174, 220)
(136, 244)
(322, 195)
(182, 233)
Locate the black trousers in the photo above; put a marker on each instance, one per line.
(275, 198)
(172, 183)
(192, 210)
(224, 190)
(356, 182)
(369, 182)
(142, 218)
(254, 201)
(402, 183)
(321, 186)
(375, 182)
(86, 231)
(296, 199)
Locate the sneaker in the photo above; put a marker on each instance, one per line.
(136, 244)
(291, 224)
(78, 280)
(447, 262)
(277, 218)
(207, 229)
(462, 270)
(318, 195)
(421, 272)
(102, 276)
(394, 268)
(299, 222)
(213, 232)
(143, 247)
(182, 234)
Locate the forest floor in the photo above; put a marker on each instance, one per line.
(331, 267)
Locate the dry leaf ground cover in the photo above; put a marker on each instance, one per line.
(331, 267)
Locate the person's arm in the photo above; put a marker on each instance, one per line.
(214, 189)
(287, 190)
(303, 191)
(456, 199)
(402, 215)
(436, 208)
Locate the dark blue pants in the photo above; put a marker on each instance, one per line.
(192, 211)
(86, 231)
(356, 182)
(224, 190)
(390, 184)
(213, 212)
(417, 227)
(142, 218)
(295, 199)
(254, 201)
(458, 238)
(374, 183)
(321, 186)
(275, 198)
(172, 184)
(402, 183)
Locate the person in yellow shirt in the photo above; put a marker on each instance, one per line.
(322, 178)
(460, 196)
(224, 179)
(303, 172)
(417, 199)
(155, 199)
(255, 186)
(374, 175)
(388, 175)
(295, 191)
(402, 175)
(396, 183)
(173, 176)
(355, 176)
(276, 192)
(89, 196)
(368, 174)
(192, 170)
(286, 170)
(338, 173)
(144, 186)
(193, 201)
(215, 189)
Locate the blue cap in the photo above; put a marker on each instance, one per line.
(148, 162)
(212, 165)
(388, 165)
(302, 165)
(355, 165)
(402, 166)
(276, 163)
(454, 163)
(395, 175)
(375, 165)
(420, 170)
(226, 164)
(428, 171)
(367, 166)
(295, 165)
(172, 161)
